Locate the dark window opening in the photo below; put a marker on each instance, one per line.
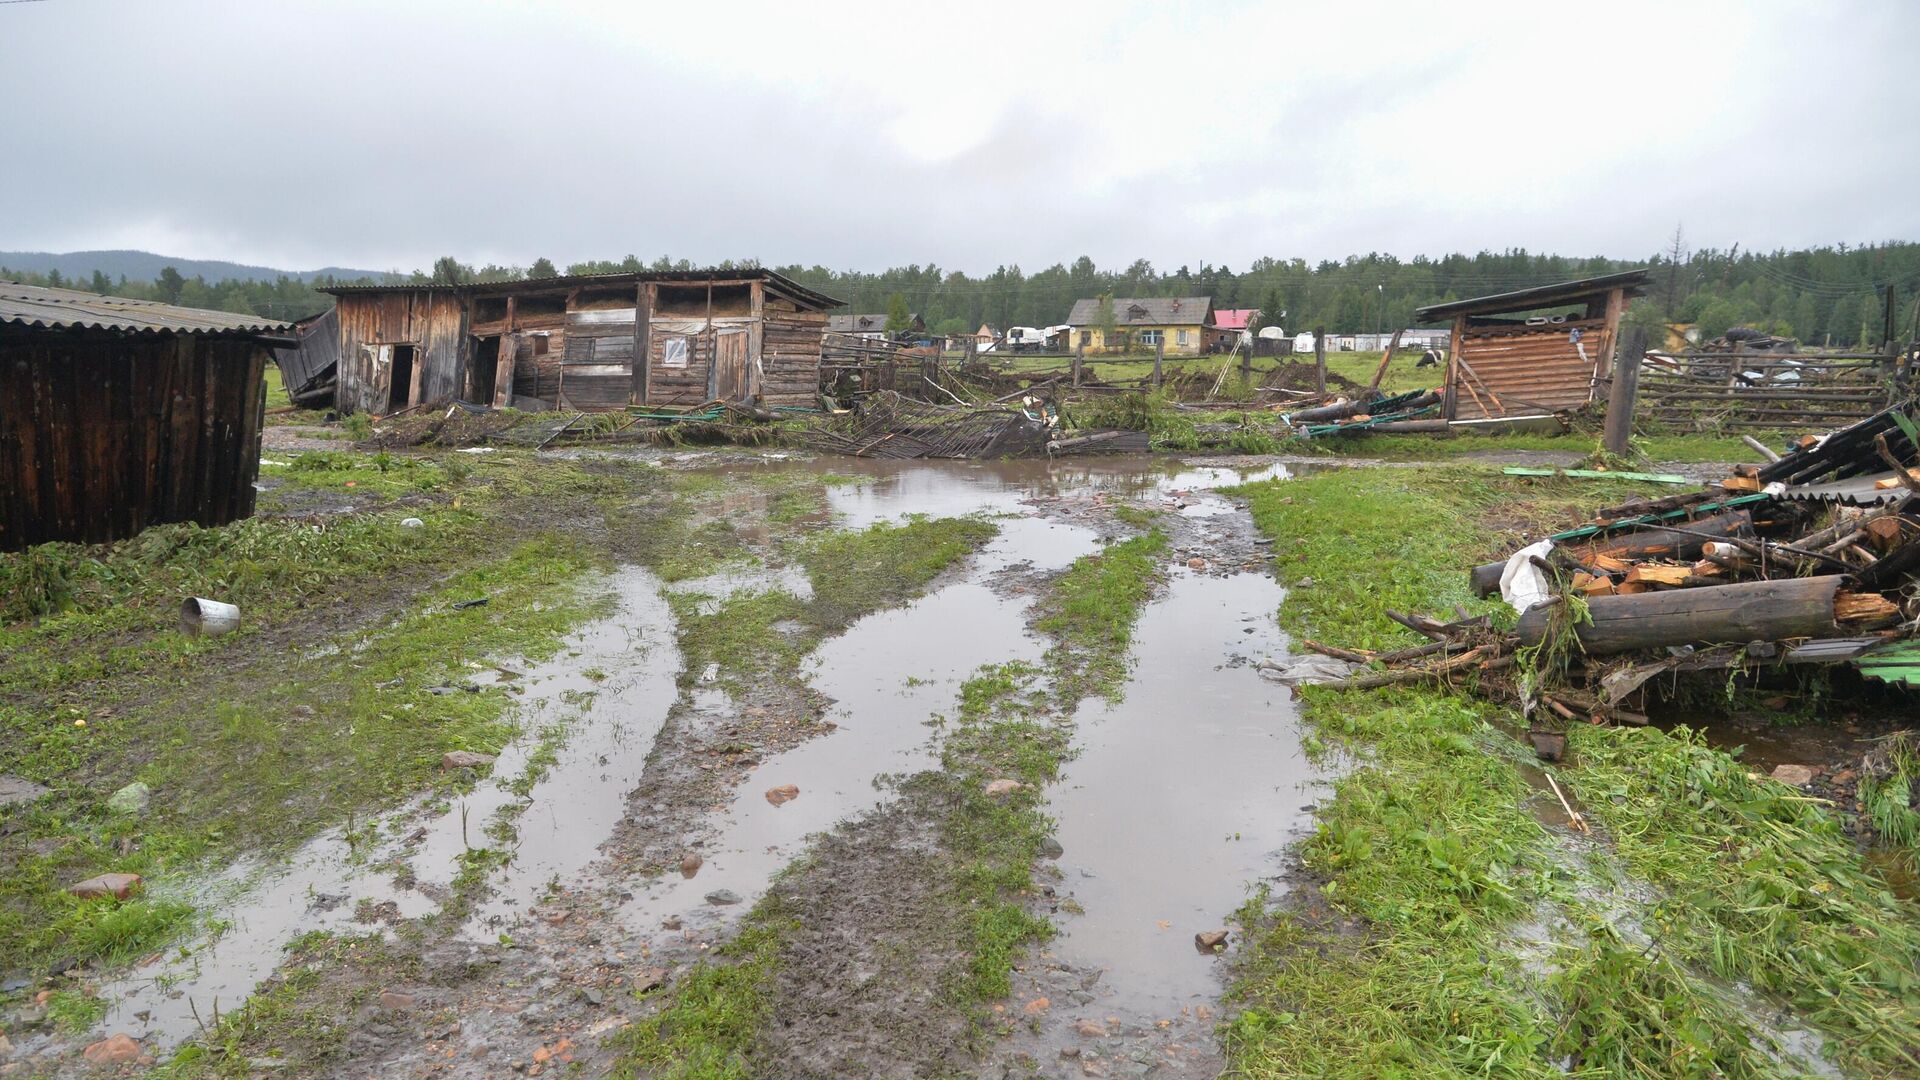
(489, 309)
(400, 388)
(539, 305)
(685, 301)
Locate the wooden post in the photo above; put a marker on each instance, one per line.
(1159, 357)
(1629, 348)
(1246, 362)
(1320, 359)
(643, 343)
(1079, 361)
(756, 342)
(1456, 343)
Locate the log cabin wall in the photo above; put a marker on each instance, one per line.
(790, 349)
(1516, 370)
(104, 433)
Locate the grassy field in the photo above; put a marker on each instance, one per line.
(1430, 869)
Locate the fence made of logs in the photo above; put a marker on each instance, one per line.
(1765, 391)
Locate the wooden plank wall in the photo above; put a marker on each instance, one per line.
(1530, 369)
(597, 362)
(432, 321)
(102, 435)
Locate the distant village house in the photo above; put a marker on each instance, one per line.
(1184, 325)
(874, 326)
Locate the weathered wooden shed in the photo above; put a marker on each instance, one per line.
(118, 414)
(1535, 351)
(571, 342)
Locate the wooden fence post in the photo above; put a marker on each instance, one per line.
(1631, 347)
(1246, 362)
(1320, 360)
(1079, 360)
(1159, 355)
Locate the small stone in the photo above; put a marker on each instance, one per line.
(411, 523)
(6, 1045)
(118, 886)
(690, 865)
(112, 1050)
(1050, 848)
(1003, 787)
(785, 793)
(1845, 776)
(1196, 563)
(132, 799)
(1210, 941)
(594, 995)
(1793, 775)
(1091, 1029)
(723, 897)
(1037, 1006)
(395, 1000)
(18, 789)
(649, 979)
(464, 759)
(671, 922)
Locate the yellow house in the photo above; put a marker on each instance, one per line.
(1184, 324)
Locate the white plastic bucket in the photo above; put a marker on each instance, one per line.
(208, 618)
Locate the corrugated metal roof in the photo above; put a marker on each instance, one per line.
(1895, 663)
(1564, 292)
(35, 305)
(1145, 311)
(781, 282)
(1234, 318)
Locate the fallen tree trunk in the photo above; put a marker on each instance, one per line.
(1721, 614)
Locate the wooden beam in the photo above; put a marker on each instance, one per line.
(1622, 395)
(1320, 360)
(1381, 371)
(642, 316)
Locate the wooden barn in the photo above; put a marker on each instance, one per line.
(570, 342)
(1533, 352)
(118, 414)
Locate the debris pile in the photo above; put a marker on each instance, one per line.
(890, 425)
(1810, 559)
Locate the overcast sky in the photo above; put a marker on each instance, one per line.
(379, 134)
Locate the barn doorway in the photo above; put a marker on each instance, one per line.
(400, 379)
(484, 375)
(730, 365)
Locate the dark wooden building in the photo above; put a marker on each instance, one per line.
(118, 414)
(1535, 351)
(571, 342)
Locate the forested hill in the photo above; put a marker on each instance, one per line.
(1828, 295)
(146, 266)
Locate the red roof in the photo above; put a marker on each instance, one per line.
(1234, 318)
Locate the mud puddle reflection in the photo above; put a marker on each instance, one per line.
(1181, 796)
(889, 675)
(334, 884)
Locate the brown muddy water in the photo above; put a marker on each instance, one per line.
(1181, 796)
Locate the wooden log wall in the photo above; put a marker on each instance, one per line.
(103, 434)
(1528, 369)
(790, 357)
(596, 365)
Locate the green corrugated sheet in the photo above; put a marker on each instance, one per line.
(1895, 663)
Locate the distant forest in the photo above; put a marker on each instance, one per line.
(1823, 296)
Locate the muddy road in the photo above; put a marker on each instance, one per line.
(664, 791)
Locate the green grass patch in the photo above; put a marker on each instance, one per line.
(855, 573)
(1091, 612)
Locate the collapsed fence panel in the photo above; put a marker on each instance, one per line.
(1765, 391)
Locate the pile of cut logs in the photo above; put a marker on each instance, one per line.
(1748, 573)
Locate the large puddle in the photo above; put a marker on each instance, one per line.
(1182, 796)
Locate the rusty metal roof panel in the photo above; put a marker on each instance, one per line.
(38, 306)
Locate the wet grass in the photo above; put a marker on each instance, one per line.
(319, 707)
(1091, 611)
(1428, 856)
(708, 1029)
(858, 572)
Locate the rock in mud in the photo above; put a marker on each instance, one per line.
(1793, 775)
(1210, 941)
(690, 865)
(1050, 848)
(649, 979)
(464, 759)
(117, 886)
(783, 794)
(112, 1050)
(132, 799)
(1091, 1029)
(18, 789)
(395, 1000)
(997, 788)
(1196, 563)
(1037, 1006)
(723, 896)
